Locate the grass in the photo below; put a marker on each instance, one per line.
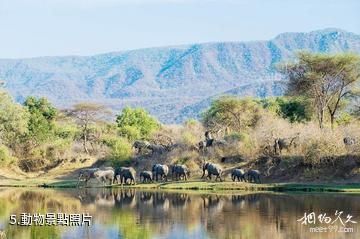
(197, 186)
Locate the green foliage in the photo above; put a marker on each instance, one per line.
(120, 149)
(344, 118)
(66, 131)
(130, 132)
(132, 120)
(42, 106)
(41, 120)
(13, 121)
(233, 113)
(326, 79)
(5, 155)
(294, 109)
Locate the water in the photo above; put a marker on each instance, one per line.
(156, 214)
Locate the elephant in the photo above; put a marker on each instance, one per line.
(125, 173)
(105, 175)
(349, 141)
(156, 148)
(253, 176)
(140, 145)
(201, 146)
(86, 174)
(179, 171)
(238, 174)
(285, 143)
(108, 168)
(160, 169)
(146, 176)
(212, 169)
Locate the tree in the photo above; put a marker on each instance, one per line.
(13, 121)
(41, 119)
(326, 79)
(87, 114)
(136, 122)
(232, 113)
(294, 109)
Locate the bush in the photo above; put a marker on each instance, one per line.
(5, 156)
(344, 119)
(130, 132)
(66, 131)
(188, 138)
(321, 149)
(120, 149)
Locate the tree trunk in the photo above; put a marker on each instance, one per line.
(85, 140)
(321, 119)
(332, 120)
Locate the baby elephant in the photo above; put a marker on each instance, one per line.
(146, 176)
(238, 174)
(125, 173)
(253, 176)
(105, 175)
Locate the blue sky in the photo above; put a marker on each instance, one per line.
(31, 28)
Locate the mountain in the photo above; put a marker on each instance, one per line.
(173, 83)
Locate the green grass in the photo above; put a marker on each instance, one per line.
(197, 186)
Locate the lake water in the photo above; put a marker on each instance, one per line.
(139, 214)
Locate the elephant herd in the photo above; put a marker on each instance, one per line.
(236, 174)
(160, 172)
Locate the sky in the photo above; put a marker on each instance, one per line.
(30, 28)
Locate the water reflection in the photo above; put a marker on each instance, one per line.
(157, 214)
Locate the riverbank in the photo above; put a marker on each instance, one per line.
(197, 185)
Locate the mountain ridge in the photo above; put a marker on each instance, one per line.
(168, 81)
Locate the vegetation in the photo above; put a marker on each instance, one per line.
(87, 114)
(36, 137)
(325, 79)
(136, 123)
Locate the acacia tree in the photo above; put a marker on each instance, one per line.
(87, 114)
(325, 79)
(230, 113)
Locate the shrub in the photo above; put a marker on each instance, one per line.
(130, 132)
(188, 138)
(120, 149)
(344, 119)
(5, 156)
(67, 131)
(323, 148)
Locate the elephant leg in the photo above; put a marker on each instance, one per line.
(185, 177)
